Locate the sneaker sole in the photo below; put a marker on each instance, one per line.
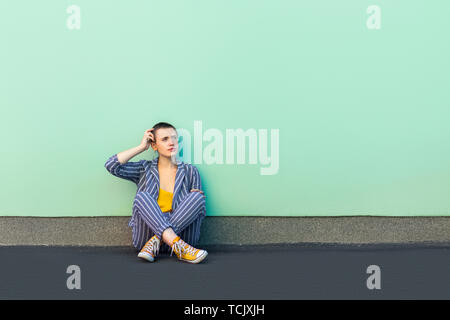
(198, 259)
(146, 257)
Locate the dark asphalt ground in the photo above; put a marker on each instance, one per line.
(264, 272)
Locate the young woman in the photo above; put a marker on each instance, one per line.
(169, 205)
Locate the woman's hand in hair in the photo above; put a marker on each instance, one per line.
(147, 139)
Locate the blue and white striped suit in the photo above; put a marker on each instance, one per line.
(188, 208)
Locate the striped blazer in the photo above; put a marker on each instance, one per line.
(145, 175)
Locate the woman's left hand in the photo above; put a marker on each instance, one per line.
(197, 190)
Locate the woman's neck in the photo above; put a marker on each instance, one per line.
(166, 163)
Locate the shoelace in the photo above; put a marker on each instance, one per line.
(152, 247)
(183, 247)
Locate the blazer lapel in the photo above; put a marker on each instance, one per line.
(179, 177)
(155, 173)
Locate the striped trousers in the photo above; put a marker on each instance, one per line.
(185, 220)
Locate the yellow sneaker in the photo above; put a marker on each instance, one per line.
(186, 252)
(150, 249)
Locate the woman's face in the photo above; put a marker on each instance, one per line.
(166, 142)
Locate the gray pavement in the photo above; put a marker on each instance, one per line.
(269, 272)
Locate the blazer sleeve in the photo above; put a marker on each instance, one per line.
(196, 180)
(130, 171)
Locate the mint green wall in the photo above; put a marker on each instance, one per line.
(362, 114)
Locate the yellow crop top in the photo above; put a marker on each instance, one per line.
(165, 200)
